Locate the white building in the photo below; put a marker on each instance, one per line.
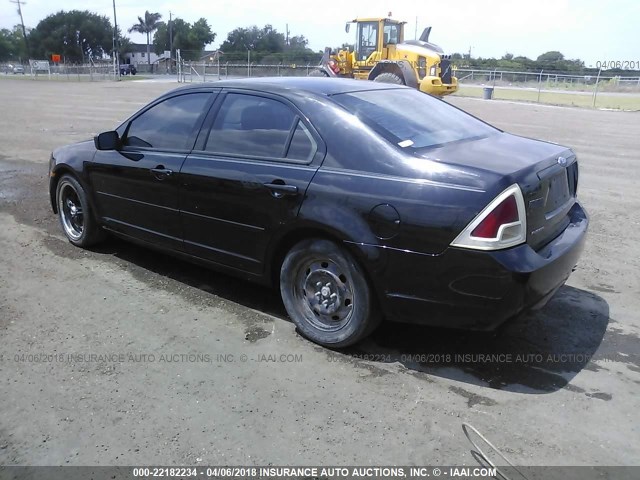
(138, 55)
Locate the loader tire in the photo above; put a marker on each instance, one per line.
(389, 77)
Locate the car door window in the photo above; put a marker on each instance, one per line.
(302, 146)
(253, 126)
(168, 125)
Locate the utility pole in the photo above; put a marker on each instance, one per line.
(115, 42)
(170, 38)
(416, 32)
(287, 39)
(24, 30)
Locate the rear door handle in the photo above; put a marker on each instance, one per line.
(279, 190)
(160, 172)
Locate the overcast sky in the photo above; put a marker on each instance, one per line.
(591, 30)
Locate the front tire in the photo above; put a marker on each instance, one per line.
(76, 217)
(326, 294)
(389, 77)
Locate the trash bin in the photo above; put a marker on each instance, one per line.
(487, 93)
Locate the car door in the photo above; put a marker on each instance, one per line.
(246, 178)
(136, 187)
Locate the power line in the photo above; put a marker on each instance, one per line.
(24, 30)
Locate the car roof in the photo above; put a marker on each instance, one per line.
(315, 85)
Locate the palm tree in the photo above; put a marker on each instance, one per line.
(147, 25)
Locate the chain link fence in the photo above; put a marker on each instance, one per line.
(600, 90)
(202, 72)
(553, 80)
(87, 72)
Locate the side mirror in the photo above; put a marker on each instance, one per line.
(347, 27)
(107, 141)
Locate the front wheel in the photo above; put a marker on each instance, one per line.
(326, 294)
(389, 77)
(76, 217)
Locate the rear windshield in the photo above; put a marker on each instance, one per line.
(410, 118)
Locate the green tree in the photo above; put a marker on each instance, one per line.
(189, 38)
(299, 42)
(6, 46)
(147, 26)
(12, 45)
(555, 60)
(124, 46)
(525, 63)
(200, 35)
(263, 41)
(550, 57)
(266, 45)
(77, 35)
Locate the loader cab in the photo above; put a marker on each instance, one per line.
(367, 40)
(392, 33)
(376, 36)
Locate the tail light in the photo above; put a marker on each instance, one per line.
(502, 224)
(333, 65)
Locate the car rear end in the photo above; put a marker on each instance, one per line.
(510, 229)
(512, 256)
(532, 239)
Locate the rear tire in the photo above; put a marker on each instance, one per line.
(318, 73)
(326, 294)
(76, 217)
(388, 77)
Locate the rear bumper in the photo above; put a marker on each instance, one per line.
(479, 290)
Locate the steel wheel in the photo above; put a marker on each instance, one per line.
(326, 294)
(71, 211)
(325, 291)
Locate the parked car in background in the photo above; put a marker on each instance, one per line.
(127, 69)
(17, 69)
(358, 200)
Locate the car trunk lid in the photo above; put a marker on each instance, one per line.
(546, 173)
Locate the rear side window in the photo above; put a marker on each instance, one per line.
(249, 125)
(303, 146)
(409, 118)
(168, 125)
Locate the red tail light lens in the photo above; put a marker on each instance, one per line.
(506, 212)
(501, 224)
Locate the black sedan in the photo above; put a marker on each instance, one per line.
(360, 201)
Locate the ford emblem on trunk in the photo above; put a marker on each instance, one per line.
(562, 161)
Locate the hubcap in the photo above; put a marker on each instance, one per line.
(70, 210)
(326, 294)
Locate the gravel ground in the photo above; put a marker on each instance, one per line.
(194, 367)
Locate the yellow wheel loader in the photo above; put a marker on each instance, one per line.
(381, 54)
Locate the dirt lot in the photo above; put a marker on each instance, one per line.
(206, 369)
